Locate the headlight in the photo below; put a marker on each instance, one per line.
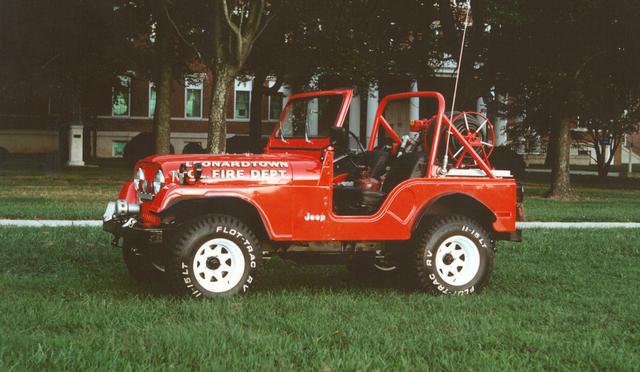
(158, 181)
(139, 183)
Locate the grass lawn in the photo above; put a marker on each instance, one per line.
(82, 193)
(560, 300)
(27, 191)
(593, 204)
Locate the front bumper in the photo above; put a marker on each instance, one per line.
(122, 223)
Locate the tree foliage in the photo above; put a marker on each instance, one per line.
(561, 59)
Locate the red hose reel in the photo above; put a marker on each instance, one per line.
(474, 127)
(478, 131)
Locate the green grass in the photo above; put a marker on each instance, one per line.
(28, 191)
(560, 300)
(593, 204)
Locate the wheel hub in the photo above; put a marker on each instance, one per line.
(448, 259)
(218, 265)
(213, 263)
(457, 260)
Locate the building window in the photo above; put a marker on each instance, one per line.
(242, 102)
(152, 99)
(121, 97)
(275, 107)
(242, 99)
(193, 96)
(117, 148)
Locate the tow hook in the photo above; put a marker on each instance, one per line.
(130, 222)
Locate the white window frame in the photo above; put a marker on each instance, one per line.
(269, 118)
(128, 79)
(193, 85)
(241, 86)
(271, 82)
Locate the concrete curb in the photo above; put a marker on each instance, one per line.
(520, 225)
(50, 223)
(578, 225)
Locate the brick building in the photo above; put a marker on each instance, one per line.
(29, 123)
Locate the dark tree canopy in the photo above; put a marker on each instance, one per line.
(558, 60)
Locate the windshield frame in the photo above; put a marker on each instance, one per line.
(347, 95)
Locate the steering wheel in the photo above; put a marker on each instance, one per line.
(362, 149)
(351, 154)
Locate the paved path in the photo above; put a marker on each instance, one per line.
(573, 171)
(522, 225)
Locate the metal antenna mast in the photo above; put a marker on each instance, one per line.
(455, 89)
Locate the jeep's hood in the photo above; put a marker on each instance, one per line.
(245, 169)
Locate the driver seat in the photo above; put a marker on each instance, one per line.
(354, 201)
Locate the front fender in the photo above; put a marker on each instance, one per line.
(128, 192)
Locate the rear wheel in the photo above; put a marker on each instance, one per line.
(216, 255)
(453, 255)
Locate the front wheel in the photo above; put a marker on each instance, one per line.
(453, 255)
(216, 255)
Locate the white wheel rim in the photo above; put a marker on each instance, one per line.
(218, 265)
(457, 260)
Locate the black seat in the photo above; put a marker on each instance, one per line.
(403, 168)
(377, 161)
(354, 201)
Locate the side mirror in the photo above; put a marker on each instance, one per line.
(339, 138)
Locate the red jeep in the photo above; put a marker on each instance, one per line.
(204, 223)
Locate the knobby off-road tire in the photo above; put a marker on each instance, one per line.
(142, 268)
(453, 255)
(215, 255)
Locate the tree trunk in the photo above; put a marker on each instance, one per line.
(162, 115)
(552, 147)
(255, 123)
(560, 187)
(217, 136)
(603, 170)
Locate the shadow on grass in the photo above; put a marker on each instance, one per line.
(281, 276)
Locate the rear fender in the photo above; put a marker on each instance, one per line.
(456, 204)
